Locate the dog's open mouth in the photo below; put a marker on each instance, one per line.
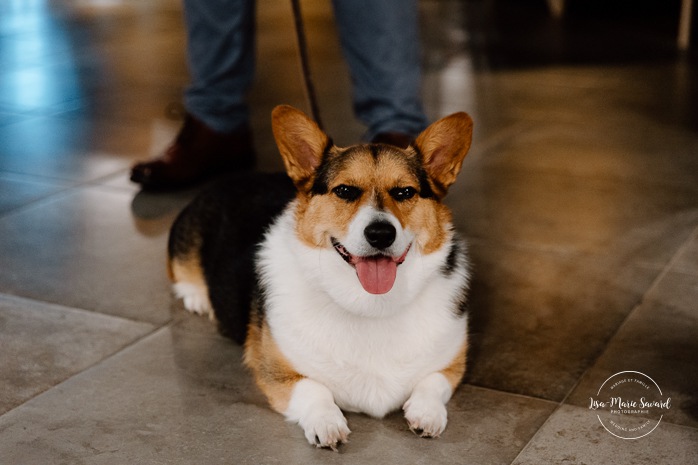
(376, 273)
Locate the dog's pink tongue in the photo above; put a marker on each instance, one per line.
(376, 274)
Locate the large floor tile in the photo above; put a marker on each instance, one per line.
(540, 318)
(573, 435)
(183, 397)
(42, 345)
(85, 249)
(658, 340)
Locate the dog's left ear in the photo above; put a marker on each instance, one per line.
(444, 145)
(300, 141)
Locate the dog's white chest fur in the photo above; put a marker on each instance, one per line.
(369, 350)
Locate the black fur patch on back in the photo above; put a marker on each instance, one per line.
(231, 217)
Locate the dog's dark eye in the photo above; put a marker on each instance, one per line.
(348, 193)
(402, 193)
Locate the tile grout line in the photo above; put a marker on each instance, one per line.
(658, 279)
(72, 309)
(670, 264)
(152, 332)
(62, 192)
(665, 270)
(509, 393)
(21, 176)
(662, 274)
(69, 186)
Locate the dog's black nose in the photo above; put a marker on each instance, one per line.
(380, 234)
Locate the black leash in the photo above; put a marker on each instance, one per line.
(305, 66)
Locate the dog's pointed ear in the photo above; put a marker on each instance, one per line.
(443, 146)
(300, 141)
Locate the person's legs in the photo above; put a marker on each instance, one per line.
(380, 40)
(215, 136)
(220, 52)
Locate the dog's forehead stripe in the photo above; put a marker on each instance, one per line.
(335, 160)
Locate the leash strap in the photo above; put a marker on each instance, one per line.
(304, 62)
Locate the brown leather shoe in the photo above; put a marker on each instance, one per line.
(197, 154)
(398, 139)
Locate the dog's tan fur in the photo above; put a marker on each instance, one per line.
(456, 370)
(272, 372)
(186, 267)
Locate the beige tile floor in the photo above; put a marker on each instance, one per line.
(579, 200)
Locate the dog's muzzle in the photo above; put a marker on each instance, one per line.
(376, 273)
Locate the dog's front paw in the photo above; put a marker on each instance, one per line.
(425, 415)
(325, 427)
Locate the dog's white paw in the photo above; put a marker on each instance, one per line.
(195, 299)
(325, 427)
(312, 406)
(426, 415)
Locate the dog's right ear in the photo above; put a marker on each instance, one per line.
(300, 141)
(444, 145)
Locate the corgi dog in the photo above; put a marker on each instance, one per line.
(343, 277)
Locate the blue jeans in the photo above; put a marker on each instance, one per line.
(379, 38)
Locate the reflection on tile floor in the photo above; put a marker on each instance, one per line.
(579, 199)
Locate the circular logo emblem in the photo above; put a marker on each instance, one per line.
(629, 405)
